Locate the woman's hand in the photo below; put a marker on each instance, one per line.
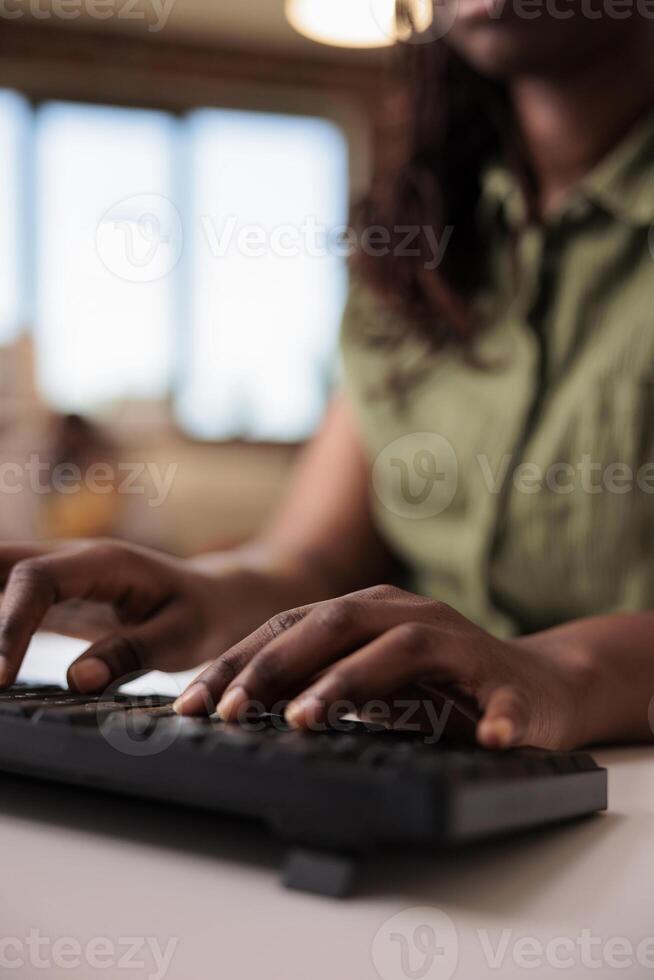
(380, 644)
(143, 609)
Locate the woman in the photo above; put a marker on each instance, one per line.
(523, 364)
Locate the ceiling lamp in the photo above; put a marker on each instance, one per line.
(345, 23)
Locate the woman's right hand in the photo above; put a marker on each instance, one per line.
(155, 612)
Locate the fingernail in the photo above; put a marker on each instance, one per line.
(195, 700)
(4, 672)
(294, 712)
(90, 675)
(499, 733)
(297, 712)
(231, 703)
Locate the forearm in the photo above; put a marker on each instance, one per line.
(614, 657)
(321, 542)
(325, 523)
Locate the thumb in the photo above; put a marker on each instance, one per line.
(124, 652)
(505, 719)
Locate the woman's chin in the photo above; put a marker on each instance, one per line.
(497, 39)
(493, 46)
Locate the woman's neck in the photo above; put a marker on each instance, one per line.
(570, 121)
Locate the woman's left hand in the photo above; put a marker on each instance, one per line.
(382, 648)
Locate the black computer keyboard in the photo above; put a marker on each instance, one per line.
(337, 791)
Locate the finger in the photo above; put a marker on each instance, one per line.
(287, 652)
(37, 584)
(126, 652)
(403, 655)
(204, 692)
(505, 720)
(285, 666)
(321, 635)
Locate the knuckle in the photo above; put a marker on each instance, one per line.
(34, 576)
(228, 666)
(107, 551)
(283, 621)
(585, 667)
(384, 592)
(413, 636)
(442, 610)
(337, 615)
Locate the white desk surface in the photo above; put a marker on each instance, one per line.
(82, 866)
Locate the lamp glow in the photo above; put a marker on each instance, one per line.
(345, 23)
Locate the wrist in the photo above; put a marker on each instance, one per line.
(613, 661)
(584, 689)
(255, 582)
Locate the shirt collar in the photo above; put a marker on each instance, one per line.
(622, 183)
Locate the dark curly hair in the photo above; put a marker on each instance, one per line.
(452, 122)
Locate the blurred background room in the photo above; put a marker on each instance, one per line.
(178, 176)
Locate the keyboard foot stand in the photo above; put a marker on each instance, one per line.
(329, 873)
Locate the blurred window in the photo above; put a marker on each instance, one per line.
(266, 282)
(104, 317)
(191, 258)
(14, 134)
